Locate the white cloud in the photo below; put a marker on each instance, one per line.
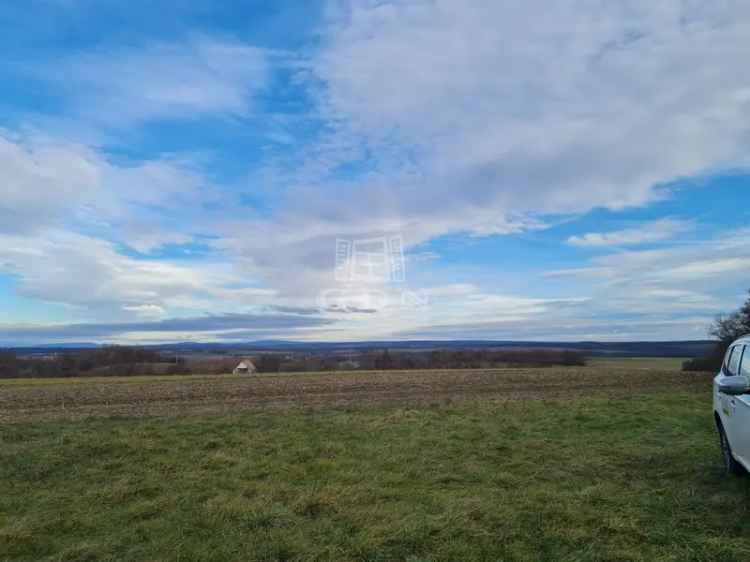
(710, 263)
(560, 329)
(438, 118)
(215, 327)
(42, 180)
(483, 118)
(90, 275)
(538, 108)
(710, 268)
(453, 290)
(145, 310)
(51, 182)
(681, 282)
(199, 77)
(647, 233)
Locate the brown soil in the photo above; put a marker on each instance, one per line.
(48, 400)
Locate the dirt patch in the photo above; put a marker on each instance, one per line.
(223, 394)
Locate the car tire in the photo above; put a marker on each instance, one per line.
(731, 466)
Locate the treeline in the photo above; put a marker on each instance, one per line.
(726, 329)
(439, 359)
(130, 361)
(106, 361)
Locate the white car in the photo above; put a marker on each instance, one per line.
(732, 406)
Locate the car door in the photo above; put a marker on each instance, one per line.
(739, 435)
(721, 400)
(729, 403)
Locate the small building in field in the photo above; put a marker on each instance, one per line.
(245, 367)
(349, 365)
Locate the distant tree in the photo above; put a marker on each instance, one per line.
(329, 364)
(10, 366)
(573, 358)
(384, 361)
(68, 365)
(268, 363)
(725, 329)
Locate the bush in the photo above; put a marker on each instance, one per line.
(268, 363)
(573, 358)
(712, 364)
(726, 329)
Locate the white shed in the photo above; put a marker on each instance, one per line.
(246, 367)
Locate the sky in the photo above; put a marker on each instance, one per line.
(339, 170)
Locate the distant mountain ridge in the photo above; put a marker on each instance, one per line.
(690, 348)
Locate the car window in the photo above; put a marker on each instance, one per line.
(745, 367)
(727, 359)
(734, 361)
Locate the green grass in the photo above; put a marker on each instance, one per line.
(671, 363)
(585, 480)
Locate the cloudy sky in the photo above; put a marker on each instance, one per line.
(362, 169)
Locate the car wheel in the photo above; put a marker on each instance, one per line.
(731, 466)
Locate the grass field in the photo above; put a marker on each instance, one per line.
(620, 465)
(71, 399)
(639, 363)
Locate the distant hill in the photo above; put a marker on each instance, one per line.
(696, 348)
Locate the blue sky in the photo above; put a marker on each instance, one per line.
(561, 172)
